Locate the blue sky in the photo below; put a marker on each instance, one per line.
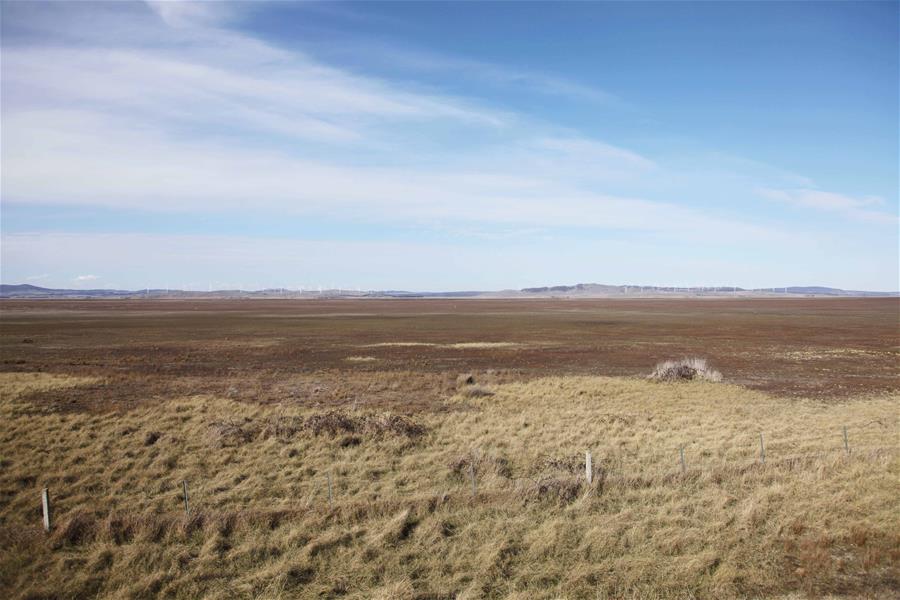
(433, 146)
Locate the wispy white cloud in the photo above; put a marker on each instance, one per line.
(485, 73)
(173, 125)
(863, 208)
(102, 162)
(197, 13)
(86, 278)
(298, 98)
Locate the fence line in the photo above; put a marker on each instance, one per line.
(609, 461)
(613, 466)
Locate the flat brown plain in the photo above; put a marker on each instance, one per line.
(477, 491)
(406, 354)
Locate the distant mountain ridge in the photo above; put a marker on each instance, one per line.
(589, 288)
(580, 290)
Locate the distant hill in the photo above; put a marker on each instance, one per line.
(601, 290)
(32, 291)
(580, 290)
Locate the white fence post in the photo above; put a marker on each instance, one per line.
(45, 504)
(588, 468)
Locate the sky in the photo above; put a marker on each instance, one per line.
(449, 146)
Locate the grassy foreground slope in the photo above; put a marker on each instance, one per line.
(403, 522)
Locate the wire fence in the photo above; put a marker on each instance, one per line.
(598, 470)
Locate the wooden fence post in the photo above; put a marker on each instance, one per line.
(683, 466)
(762, 449)
(472, 475)
(45, 504)
(588, 468)
(186, 506)
(846, 441)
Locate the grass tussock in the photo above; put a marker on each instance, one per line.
(236, 432)
(476, 391)
(467, 386)
(685, 369)
(483, 464)
(563, 489)
(812, 521)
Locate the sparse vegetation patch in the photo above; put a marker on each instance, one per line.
(332, 423)
(360, 359)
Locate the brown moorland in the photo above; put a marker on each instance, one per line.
(407, 353)
(260, 404)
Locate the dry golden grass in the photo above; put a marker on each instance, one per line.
(361, 359)
(398, 345)
(808, 355)
(481, 345)
(453, 346)
(810, 522)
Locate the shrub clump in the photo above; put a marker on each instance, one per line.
(391, 424)
(686, 369)
(231, 432)
(281, 427)
(331, 423)
(468, 387)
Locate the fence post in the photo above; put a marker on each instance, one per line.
(762, 449)
(683, 466)
(330, 501)
(186, 506)
(472, 475)
(846, 441)
(45, 504)
(588, 468)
